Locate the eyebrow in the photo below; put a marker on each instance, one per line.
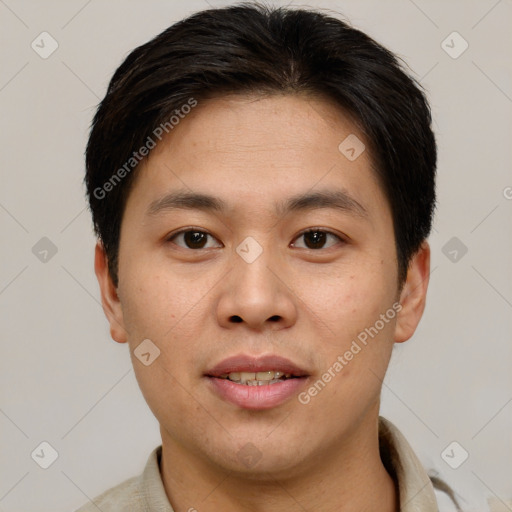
(188, 201)
(335, 199)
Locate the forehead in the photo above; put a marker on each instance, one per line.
(270, 124)
(250, 149)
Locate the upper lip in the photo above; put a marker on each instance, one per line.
(247, 363)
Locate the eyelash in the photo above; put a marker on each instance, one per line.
(302, 233)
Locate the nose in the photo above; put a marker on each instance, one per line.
(257, 294)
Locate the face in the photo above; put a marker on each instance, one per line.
(291, 255)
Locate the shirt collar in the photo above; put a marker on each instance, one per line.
(415, 490)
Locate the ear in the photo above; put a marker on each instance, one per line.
(109, 299)
(413, 294)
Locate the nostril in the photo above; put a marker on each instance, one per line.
(275, 318)
(236, 319)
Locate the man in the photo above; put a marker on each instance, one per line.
(262, 183)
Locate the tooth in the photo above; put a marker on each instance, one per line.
(265, 375)
(258, 382)
(255, 378)
(245, 376)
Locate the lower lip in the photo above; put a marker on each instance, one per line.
(257, 397)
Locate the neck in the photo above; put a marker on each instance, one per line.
(348, 477)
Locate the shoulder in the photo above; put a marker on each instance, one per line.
(137, 494)
(417, 489)
(124, 496)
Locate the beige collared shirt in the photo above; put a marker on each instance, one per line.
(146, 492)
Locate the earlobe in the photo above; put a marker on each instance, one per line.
(413, 294)
(109, 298)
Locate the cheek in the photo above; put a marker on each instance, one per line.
(359, 342)
(169, 395)
(153, 303)
(346, 303)
(166, 310)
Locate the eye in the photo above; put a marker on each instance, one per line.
(192, 239)
(316, 239)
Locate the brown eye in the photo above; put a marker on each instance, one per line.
(316, 239)
(191, 239)
(194, 239)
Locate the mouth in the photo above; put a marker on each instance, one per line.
(256, 382)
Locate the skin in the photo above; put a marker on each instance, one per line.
(306, 304)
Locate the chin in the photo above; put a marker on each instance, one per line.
(261, 460)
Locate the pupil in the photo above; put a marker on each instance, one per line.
(317, 239)
(195, 239)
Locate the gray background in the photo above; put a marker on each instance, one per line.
(64, 381)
